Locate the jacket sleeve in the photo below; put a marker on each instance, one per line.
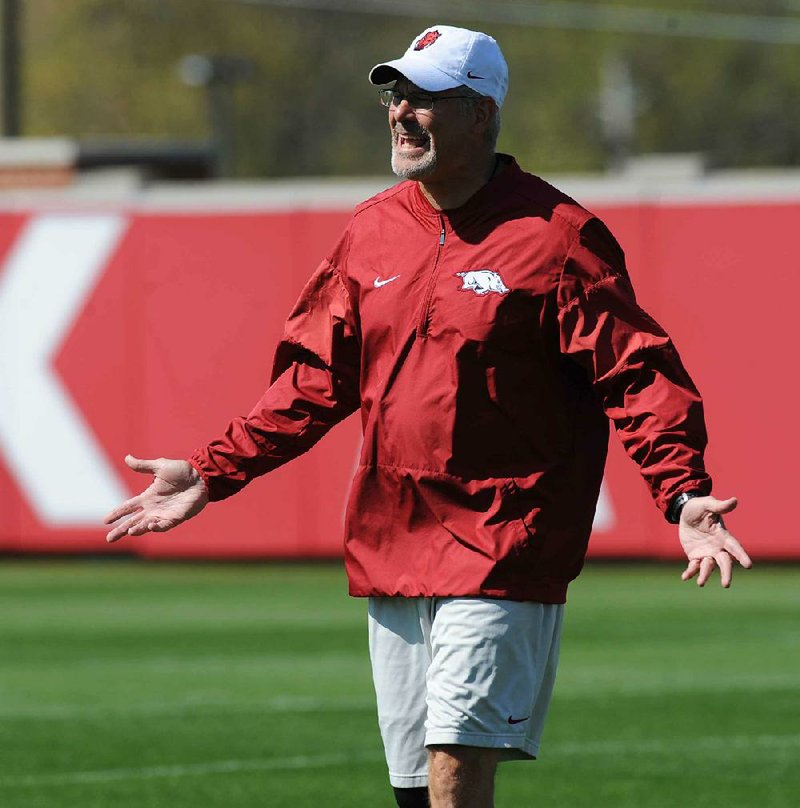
(315, 384)
(646, 392)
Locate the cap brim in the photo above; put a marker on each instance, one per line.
(425, 76)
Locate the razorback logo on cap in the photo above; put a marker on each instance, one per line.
(427, 40)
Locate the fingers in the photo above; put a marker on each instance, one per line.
(130, 506)
(138, 525)
(733, 547)
(691, 570)
(116, 534)
(133, 505)
(722, 505)
(143, 466)
(151, 526)
(725, 564)
(140, 528)
(122, 528)
(161, 526)
(706, 568)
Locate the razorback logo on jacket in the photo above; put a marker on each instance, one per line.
(427, 40)
(482, 281)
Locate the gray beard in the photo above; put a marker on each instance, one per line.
(417, 170)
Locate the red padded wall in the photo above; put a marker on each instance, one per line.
(178, 329)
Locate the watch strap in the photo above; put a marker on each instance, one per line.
(676, 506)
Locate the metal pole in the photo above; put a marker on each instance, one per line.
(10, 68)
(220, 114)
(617, 110)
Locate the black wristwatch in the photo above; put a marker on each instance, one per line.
(676, 506)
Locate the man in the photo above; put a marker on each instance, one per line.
(485, 326)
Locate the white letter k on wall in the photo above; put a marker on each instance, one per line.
(47, 444)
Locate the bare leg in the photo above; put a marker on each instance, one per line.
(461, 776)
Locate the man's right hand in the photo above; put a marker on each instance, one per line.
(176, 494)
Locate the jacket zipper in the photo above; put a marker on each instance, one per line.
(422, 328)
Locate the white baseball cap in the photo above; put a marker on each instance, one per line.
(443, 57)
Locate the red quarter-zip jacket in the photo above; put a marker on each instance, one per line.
(486, 348)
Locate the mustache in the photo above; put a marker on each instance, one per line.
(412, 130)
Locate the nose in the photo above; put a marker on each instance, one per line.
(401, 110)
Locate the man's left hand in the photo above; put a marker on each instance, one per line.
(707, 542)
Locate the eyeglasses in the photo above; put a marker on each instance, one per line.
(419, 102)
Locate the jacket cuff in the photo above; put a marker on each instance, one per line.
(216, 485)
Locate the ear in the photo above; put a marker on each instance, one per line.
(485, 110)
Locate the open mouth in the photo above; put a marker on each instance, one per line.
(408, 143)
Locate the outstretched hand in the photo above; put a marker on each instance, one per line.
(176, 494)
(707, 542)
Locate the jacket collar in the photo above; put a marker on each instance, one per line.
(482, 203)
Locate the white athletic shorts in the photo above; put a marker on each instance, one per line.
(468, 671)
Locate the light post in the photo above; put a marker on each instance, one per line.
(10, 67)
(218, 75)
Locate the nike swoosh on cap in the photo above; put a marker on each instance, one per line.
(471, 75)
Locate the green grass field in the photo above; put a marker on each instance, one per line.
(134, 684)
